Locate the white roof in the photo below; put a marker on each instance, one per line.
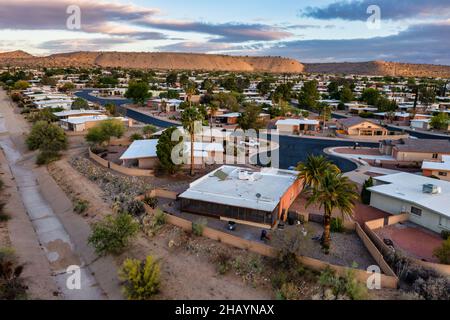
(204, 146)
(443, 166)
(69, 113)
(408, 187)
(229, 115)
(80, 120)
(296, 122)
(243, 187)
(49, 102)
(140, 149)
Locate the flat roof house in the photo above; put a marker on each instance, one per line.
(357, 126)
(438, 169)
(141, 153)
(295, 126)
(239, 194)
(79, 124)
(419, 149)
(427, 200)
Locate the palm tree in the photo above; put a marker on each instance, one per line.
(312, 170)
(190, 90)
(333, 191)
(190, 119)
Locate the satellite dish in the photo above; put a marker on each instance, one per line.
(258, 195)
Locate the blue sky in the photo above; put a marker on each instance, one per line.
(310, 31)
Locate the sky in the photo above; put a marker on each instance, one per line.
(309, 31)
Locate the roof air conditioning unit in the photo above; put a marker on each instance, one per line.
(431, 189)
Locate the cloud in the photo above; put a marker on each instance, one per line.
(392, 10)
(98, 16)
(421, 43)
(69, 45)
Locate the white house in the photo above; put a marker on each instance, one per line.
(66, 104)
(141, 153)
(295, 126)
(427, 200)
(439, 169)
(80, 124)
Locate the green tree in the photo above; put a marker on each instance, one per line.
(427, 95)
(138, 92)
(312, 170)
(440, 121)
(68, 86)
(191, 119)
(208, 85)
(383, 104)
(226, 101)
(104, 131)
(171, 78)
(365, 194)
(140, 279)
(308, 95)
(282, 93)
(80, 103)
(113, 234)
(333, 191)
(49, 139)
(249, 118)
(346, 94)
(164, 150)
(370, 96)
(190, 89)
(333, 90)
(264, 86)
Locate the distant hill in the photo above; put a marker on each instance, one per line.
(157, 60)
(212, 62)
(18, 54)
(380, 68)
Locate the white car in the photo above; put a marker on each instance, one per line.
(250, 143)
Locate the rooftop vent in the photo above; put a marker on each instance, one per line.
(431, 189)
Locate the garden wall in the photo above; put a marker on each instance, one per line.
(387, 280)
(380, 223)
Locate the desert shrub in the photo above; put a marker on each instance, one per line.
(222, 259)
(337, 225)
(342, 287)
(152, 202)
(12, 286)
(198, 226)
(443, 252)
(288, 291)
(140, 279)
(155, 222)
(3, 216)
(80, 206)
(45, 157)
(113, 234)
(433, 288)
(445, 234)
(365, 194)
(289, 243)
(279, 278)
(135, 208)
(136, 136)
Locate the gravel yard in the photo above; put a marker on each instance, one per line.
(346, 248)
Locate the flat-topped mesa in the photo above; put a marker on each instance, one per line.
(380, 68)
(162, 61)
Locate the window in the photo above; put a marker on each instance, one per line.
(442, 174)
(435, 155)
(416, 211)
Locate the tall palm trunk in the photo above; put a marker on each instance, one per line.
(192, 154)
(326, 236)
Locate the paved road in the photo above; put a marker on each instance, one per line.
(85, 95)
(292, 149)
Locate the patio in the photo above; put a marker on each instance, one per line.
(412, 239)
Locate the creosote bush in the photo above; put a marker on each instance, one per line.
(198, 226)
(140, 279)
(113, 234)
(12, 286)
